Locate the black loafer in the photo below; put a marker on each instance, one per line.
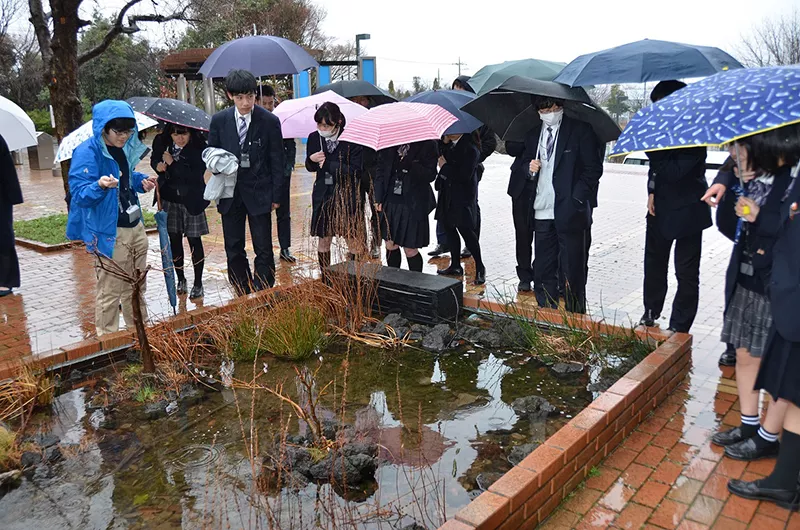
(729, 437)
(5, 292)
(197, 292)
(480, 278)
(649, 318)
(286, 255)
(438, 251)
(789, 499)
(524, 287)
(728, 358)
(451, 271)
(465, 253)
(748, 450)
(182, 287)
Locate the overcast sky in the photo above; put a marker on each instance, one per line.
(425, 37)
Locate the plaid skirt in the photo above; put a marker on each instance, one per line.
(747, 321)
(180, 221)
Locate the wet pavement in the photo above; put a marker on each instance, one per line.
(666, 475)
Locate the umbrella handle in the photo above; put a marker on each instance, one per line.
(158, 198)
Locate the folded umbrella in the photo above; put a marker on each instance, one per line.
(166, 253)
(451, 101)
(260, 55)
(297, 115)
(172, 111)
(646, 60)
(16, 127)
(717, 110)
(397, 124)
(493, 75)
(509, 110)
(85, 131)
(359, 87)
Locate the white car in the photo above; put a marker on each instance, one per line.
(714, 160)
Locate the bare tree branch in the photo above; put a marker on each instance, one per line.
(775, 42)
(120, 28)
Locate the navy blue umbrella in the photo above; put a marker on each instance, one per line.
(355, 88)
(261, 55)
(451, 101)
(646, 60)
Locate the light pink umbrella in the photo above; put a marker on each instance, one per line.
(297, 115)
(397, 124)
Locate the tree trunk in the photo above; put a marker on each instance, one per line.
(63, 82)
(141, 331)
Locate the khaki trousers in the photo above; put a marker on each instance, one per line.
(130, 252)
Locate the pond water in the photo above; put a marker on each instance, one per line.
(443, 423)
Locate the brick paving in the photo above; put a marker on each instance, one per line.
(665, 475)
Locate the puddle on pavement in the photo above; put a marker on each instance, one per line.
(445, 424)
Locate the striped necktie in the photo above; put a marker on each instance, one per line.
(242, 129)
(550, 143)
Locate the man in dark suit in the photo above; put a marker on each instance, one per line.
(676, 214)
(254, 136)
(268, 100)
(560, 170)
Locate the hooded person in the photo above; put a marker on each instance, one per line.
(104, 209)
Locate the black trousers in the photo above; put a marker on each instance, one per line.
(467, 229)
(233, 229)
(657, 249)
(283, 217)
(571, 246)
(9, 263)
(522, 213)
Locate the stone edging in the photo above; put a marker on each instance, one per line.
(531, 491)
(44, 247)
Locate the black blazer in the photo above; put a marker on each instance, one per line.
(416, 171)
(763, 233)
(183, 182)
(344, 163)
(488, 145)
(457, 182)
(10, 191)
(519, 174)
(784, 288)
(578, 168)
(677, 178)
(264, 182)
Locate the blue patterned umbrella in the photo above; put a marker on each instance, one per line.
(451, 101)
(717, 110)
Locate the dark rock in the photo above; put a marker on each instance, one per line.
(602, 384)
(368, 327)
(365, 464)
(437, 339)
(42, 472)
(30, 459)
(154, 411)
(360, 448)
(75, 375)
(10, 477)
(567, 368)
(295, 439)
(342, 470)
(134, 356)
(511, 333)
(533, 407)
(330, 428)
(298, 460)
(190, 395)
(519, 452)
(171, 395)
(52, 454)
(487, 337)
(297, 481)
(418, 332)
(46, 440)
(401, 332)
(484, 480)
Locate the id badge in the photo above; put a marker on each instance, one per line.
(134, 213)
(747, 269)
(328, 179)
(398, 187)
(245, 162)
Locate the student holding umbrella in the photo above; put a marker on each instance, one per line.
(178, 159)
(336, 205)
(457, 184)
(403, 195)
(366, 186)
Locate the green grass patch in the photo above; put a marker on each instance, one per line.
(52, 230)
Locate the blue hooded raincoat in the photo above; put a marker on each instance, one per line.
(94, 211)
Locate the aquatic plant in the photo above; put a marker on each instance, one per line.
(294, 331)
(146, 394)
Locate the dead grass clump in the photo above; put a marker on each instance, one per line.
(28, 391)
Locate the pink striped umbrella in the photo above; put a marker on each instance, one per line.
(397, 124)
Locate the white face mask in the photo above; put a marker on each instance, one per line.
(329, 134)
(552, 118)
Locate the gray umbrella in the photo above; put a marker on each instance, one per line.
(261, 55)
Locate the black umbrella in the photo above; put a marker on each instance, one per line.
(351, 89)
(509, 110)
(172, 111)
